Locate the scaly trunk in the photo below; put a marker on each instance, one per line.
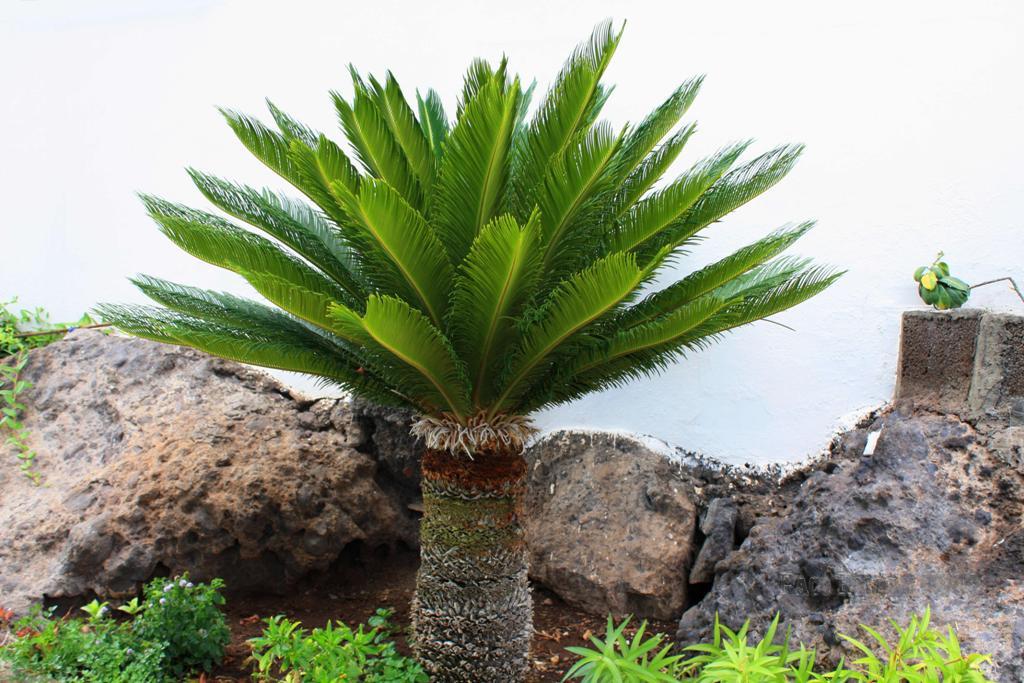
(472, 616)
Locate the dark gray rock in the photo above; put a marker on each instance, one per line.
(384, 434)
(933, 518)
(719, 528)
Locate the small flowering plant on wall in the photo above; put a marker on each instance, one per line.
(939, 289)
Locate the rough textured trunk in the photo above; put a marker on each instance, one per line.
(473, 615)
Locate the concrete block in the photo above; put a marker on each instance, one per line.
(936, 361)
(997, 385)
(966, 362)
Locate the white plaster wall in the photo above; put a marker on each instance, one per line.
(911, 111)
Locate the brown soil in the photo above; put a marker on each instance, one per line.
(351, 594)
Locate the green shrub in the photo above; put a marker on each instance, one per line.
(188, 618)
(287, 653)
(919, 654)
(98, 650)
(177, 629)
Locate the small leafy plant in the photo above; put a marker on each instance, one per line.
(619, 658)
(938, 288)
(730, 657)
(287, 653)
(171, 633)
(919, 654)
(97, 649)
(187, 617)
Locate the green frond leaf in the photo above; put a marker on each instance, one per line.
(651, 169)
(479, 75)
(762, 302)
(408, 134)
(643, 346)
(474, 167)
(666, 208)
(573, 190)
(281, 277)
(223, 308)
(291, 222)
(401, 252)
(494, 282)
(712, 277)
(407, 335)
(433, 120)
(267, 145)
(375, 144)
(318, 168)
(733, 190)
(642, 140)
(572, 306)
(291, 128)
(568, 109)
(279, 350)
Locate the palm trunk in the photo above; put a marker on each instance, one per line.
(472, 616)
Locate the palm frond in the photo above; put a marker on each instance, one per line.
(405, 334)
(644, 138)
(569, 107)
(401, 120)
(600, 363)
(281, 277)
(474, 168)
(574, 304)
(291, 128)
(269, 146)
(711, 277)
(293, 223)
(279, 350)
(479, 75)
(318, 168)
(651, 169)
(733, 190)
(666, 208)
(376, 147)
(401, 252)
(433, 120)
(493, 284)
(577, 185)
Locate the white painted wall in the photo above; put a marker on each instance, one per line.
(912, 113)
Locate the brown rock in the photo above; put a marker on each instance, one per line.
(610, 524)
(157, 458)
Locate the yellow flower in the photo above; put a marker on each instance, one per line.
(929, 280)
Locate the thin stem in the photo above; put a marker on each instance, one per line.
(61, 330)
(1013, 285)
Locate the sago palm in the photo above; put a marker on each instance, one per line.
(474, 270)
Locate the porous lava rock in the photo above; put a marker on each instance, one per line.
(609, 524)
(158, 459)
(931, 516)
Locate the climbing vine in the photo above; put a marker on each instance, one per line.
(20, 331)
